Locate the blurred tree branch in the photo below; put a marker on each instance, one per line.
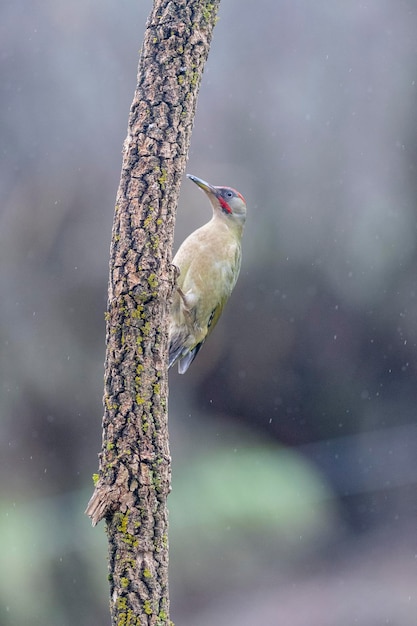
(134, 473)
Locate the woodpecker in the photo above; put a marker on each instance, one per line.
(208, 263)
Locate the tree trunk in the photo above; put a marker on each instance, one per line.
(134, 474)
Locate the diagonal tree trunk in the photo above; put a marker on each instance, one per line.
(134, 474)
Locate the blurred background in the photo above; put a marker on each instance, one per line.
(293, 435)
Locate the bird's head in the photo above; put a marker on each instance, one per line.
(225, 201)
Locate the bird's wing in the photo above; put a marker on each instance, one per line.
(185, 362)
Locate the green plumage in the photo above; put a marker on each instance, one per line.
(209, 264)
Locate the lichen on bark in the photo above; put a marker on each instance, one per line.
(134, 469)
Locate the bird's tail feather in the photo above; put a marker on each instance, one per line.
(185, 362)
(178, 353)
(174, 355)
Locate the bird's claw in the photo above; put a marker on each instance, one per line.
(175, 272)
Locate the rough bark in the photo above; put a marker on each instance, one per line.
(134, 468)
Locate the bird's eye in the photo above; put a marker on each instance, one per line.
(229, 194)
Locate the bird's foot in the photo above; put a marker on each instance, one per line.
(175, 271)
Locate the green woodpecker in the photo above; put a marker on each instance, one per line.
(208, 263)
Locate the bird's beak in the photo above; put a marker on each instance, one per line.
(209, 189)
